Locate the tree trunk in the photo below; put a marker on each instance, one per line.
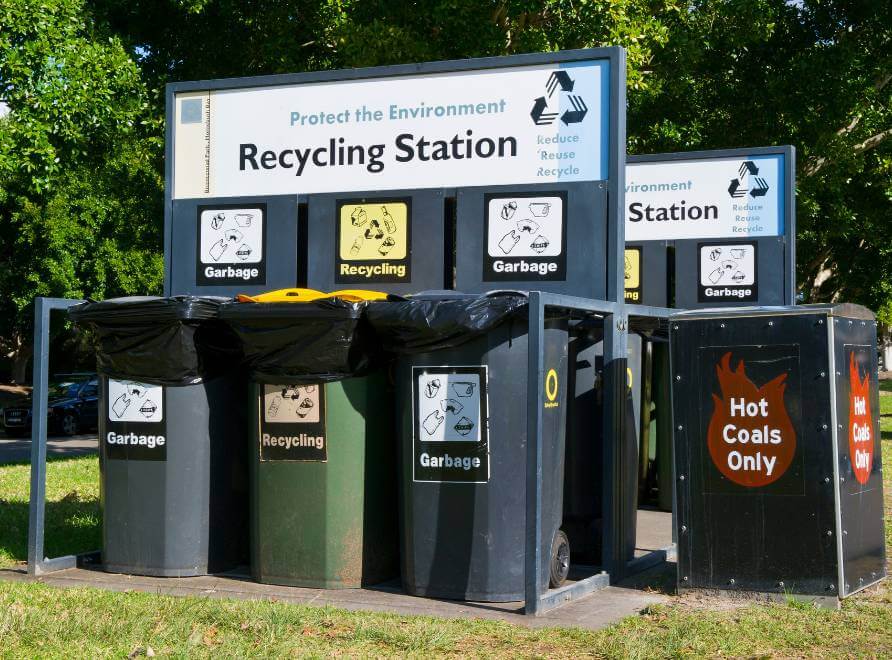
(21, 357)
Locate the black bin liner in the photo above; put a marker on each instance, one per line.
(308, 342)
(430, 322)
(162, 341)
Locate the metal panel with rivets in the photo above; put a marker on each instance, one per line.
(761, 404)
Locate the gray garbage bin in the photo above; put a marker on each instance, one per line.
(461, 390)
(173, 455)
(583, 491)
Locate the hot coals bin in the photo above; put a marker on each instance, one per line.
(461, 393)
(323, 486)
(171, 435)
(778, 470)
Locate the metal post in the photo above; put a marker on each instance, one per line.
(615, 524)
(38, 435)
(535, 368)
(37, 562)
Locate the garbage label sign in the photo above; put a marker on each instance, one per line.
(727, 272)
(450, 424)
(373, 241)
(292, 423)
(135, 429)
(526, 237)
(231, 246)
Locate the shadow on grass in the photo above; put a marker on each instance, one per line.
(73, 526)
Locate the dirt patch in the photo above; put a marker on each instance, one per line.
(719, 601)
(14, 390)
(11, 393)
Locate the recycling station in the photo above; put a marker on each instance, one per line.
(420, 328)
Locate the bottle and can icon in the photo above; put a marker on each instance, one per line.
(386, 246)
(389, 222)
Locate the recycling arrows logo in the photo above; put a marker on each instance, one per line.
(541, 114)
(748, 174)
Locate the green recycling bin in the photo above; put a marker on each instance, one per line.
(323, 460)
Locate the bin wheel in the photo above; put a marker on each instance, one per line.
(560, 560)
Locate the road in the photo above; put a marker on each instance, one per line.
(15, 450)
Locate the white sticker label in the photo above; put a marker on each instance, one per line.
(231, 236)
(449, 407)
(729, 265)
(525, 227)
(130, 401)
(291, 403)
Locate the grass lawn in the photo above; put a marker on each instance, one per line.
(73, 523)
(40, 621)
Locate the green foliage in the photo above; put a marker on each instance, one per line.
(81, 149)
(818, 76)
(381, 32)
(91, 235)
(80, 187)
(73, 94)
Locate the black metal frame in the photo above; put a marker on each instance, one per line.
(616, 322)
(38, 563)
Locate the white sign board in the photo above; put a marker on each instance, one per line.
(710, 198)
(513, 125)
(733, 264)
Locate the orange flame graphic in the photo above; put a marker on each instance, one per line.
(750, 437)
(861, 439)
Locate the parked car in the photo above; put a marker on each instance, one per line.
(72, 407)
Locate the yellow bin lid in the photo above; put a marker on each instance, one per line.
(309, 295)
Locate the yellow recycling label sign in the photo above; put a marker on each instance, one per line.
(632, 268)
(373, 241)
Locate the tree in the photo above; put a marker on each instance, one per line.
(199, 39)
(816, 74)
(81, 150)
(80, 193)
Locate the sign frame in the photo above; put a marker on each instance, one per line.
(788, 236)
(614, 140)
